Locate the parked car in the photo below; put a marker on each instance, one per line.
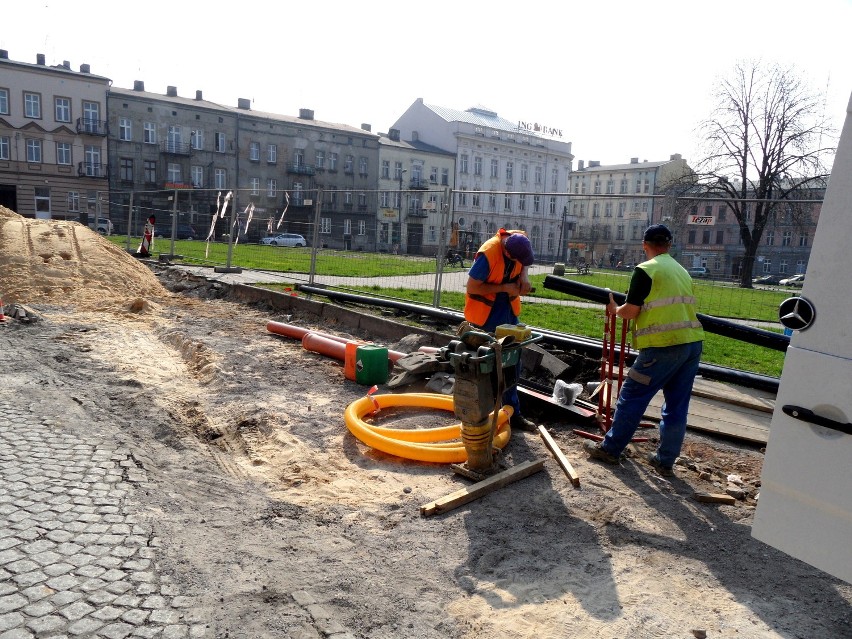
(767, 279)
(284, 239)
(184, 231)
(103, 225)
(795, 280)
(698, 271)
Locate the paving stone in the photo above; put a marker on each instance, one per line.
(29, 579)
(39, 609)
(165, 616)
(135, 617)
(12, 602)
(146, 631)
(76, 610)
(11, 620)
(128, 601)
(65, 598)
(55, 570)
(65, 582)
(101, 597)
(110, 613)
(44, 626)
(116, 631)
(34, 593)
(175, 631)
(153, 602)
(84, 627)
(17, 633)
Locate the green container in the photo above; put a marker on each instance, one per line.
(371, 364)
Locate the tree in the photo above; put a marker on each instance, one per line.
(765, 143)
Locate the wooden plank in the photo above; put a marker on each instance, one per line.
(552, 409)
(482, 488)
(560, 457)
(714, 498)
(719, 418)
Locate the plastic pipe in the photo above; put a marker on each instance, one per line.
(324, 346)
(298, 332)
(422, 444)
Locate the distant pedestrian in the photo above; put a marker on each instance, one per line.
(669, 337)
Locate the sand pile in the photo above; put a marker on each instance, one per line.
(65, 262)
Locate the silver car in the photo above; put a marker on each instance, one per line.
(284, 239)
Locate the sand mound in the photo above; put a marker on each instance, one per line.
(65, 262)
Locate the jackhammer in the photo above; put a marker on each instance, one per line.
(479, 360)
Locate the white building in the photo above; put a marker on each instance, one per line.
(507, 174)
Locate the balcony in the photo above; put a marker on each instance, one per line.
(300, 169)
(418, 213)
(89, 126)
(92, 169)
(176, 148)
(419, 184)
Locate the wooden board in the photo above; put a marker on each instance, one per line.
(720, 418)
(482, 488)
(560, 457)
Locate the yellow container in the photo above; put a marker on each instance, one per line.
(520, 332)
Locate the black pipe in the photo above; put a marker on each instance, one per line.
(584, 345)
(711, 324)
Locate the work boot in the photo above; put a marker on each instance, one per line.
(519, 422)
(665, 471)
(595, 451)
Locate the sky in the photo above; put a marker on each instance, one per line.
(619, 78)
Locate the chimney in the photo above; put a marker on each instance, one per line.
(244, 104)
(40, 59)
(394, 135)
(306, 114)
(634, 160)
(4, 54)
(366, 127)
(171, 92)
(138, 85)
(594, 163)
(66, 64)
(581, 164)
(85, 68)
(676, 156)
(198, 95)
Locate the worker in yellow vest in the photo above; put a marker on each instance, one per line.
(496, 280)
(666, 330)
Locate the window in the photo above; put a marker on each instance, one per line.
(494, 168)
(552, 207)
(219, 146)
(647, 186)
(347, 198)
(149, 133)
(255, 185)
(347, 226)
(150, 169)
(174, 138)
(397, 172)
(362, 166)
(320, 159)
(386, 169)
(538, 175)
(445, 177)
(475, 198)
(770, 238)
(477, 165)
(271, 187)
(362, 227)
(196, 176)
(720, 237)
(125, 169)
(42, 201)
(803, 239)
(196, 139)
(463, 163)
(597, 187)
(384, 200)
(787, 238)
(782, 267)
(4, 101)
(362, 200)
(691, 237)
(271, 153)
(723, 212)
(507, 202)
(619, 232)
(325, 226)
(125, 131)
(254, 151)
(554, 181)
(32, 105)
(767, 266)
(73, 201)
(525, 170)
(800, 266)
(622, 187)
(4, 147)
(608, 209)
(299, 157)
(91, 117)
(638, 186)
(510, 167)
(622, 207)
(34, 151)
(220, 178)
(173, 171)
(610, 187)
(705, 236)
(62, 109)
(433, 175)
(332, 161)
(349, 164)
(596, 209)
(63, 153)
(536, 204)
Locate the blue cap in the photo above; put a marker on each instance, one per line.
(658, 233)
(519, 248)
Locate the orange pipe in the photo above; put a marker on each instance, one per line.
(298, 332)
(324, 345)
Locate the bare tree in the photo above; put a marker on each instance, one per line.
(765, 145)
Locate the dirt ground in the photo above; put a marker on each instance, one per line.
(259, 491)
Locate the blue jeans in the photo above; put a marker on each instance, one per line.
(670, 368)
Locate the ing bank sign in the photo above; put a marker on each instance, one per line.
(535, 127)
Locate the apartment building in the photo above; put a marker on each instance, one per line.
(53, 140)
(415, 179)
(175, 154)
(507, 174)
(614, 204)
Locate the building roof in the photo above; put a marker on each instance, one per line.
(623, 167)
(59, 68)
(413, 145)
(477, 115)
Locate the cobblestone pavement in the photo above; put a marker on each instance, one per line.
(74, 562)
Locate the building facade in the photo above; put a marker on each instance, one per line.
(614, 204)
(507, 174)
(53, 140)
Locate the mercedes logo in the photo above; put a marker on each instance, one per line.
(796, 313)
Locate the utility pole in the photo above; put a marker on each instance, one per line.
(402, 172)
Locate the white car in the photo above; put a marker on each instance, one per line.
(795, 280)
(102, 226)
(285, 239)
